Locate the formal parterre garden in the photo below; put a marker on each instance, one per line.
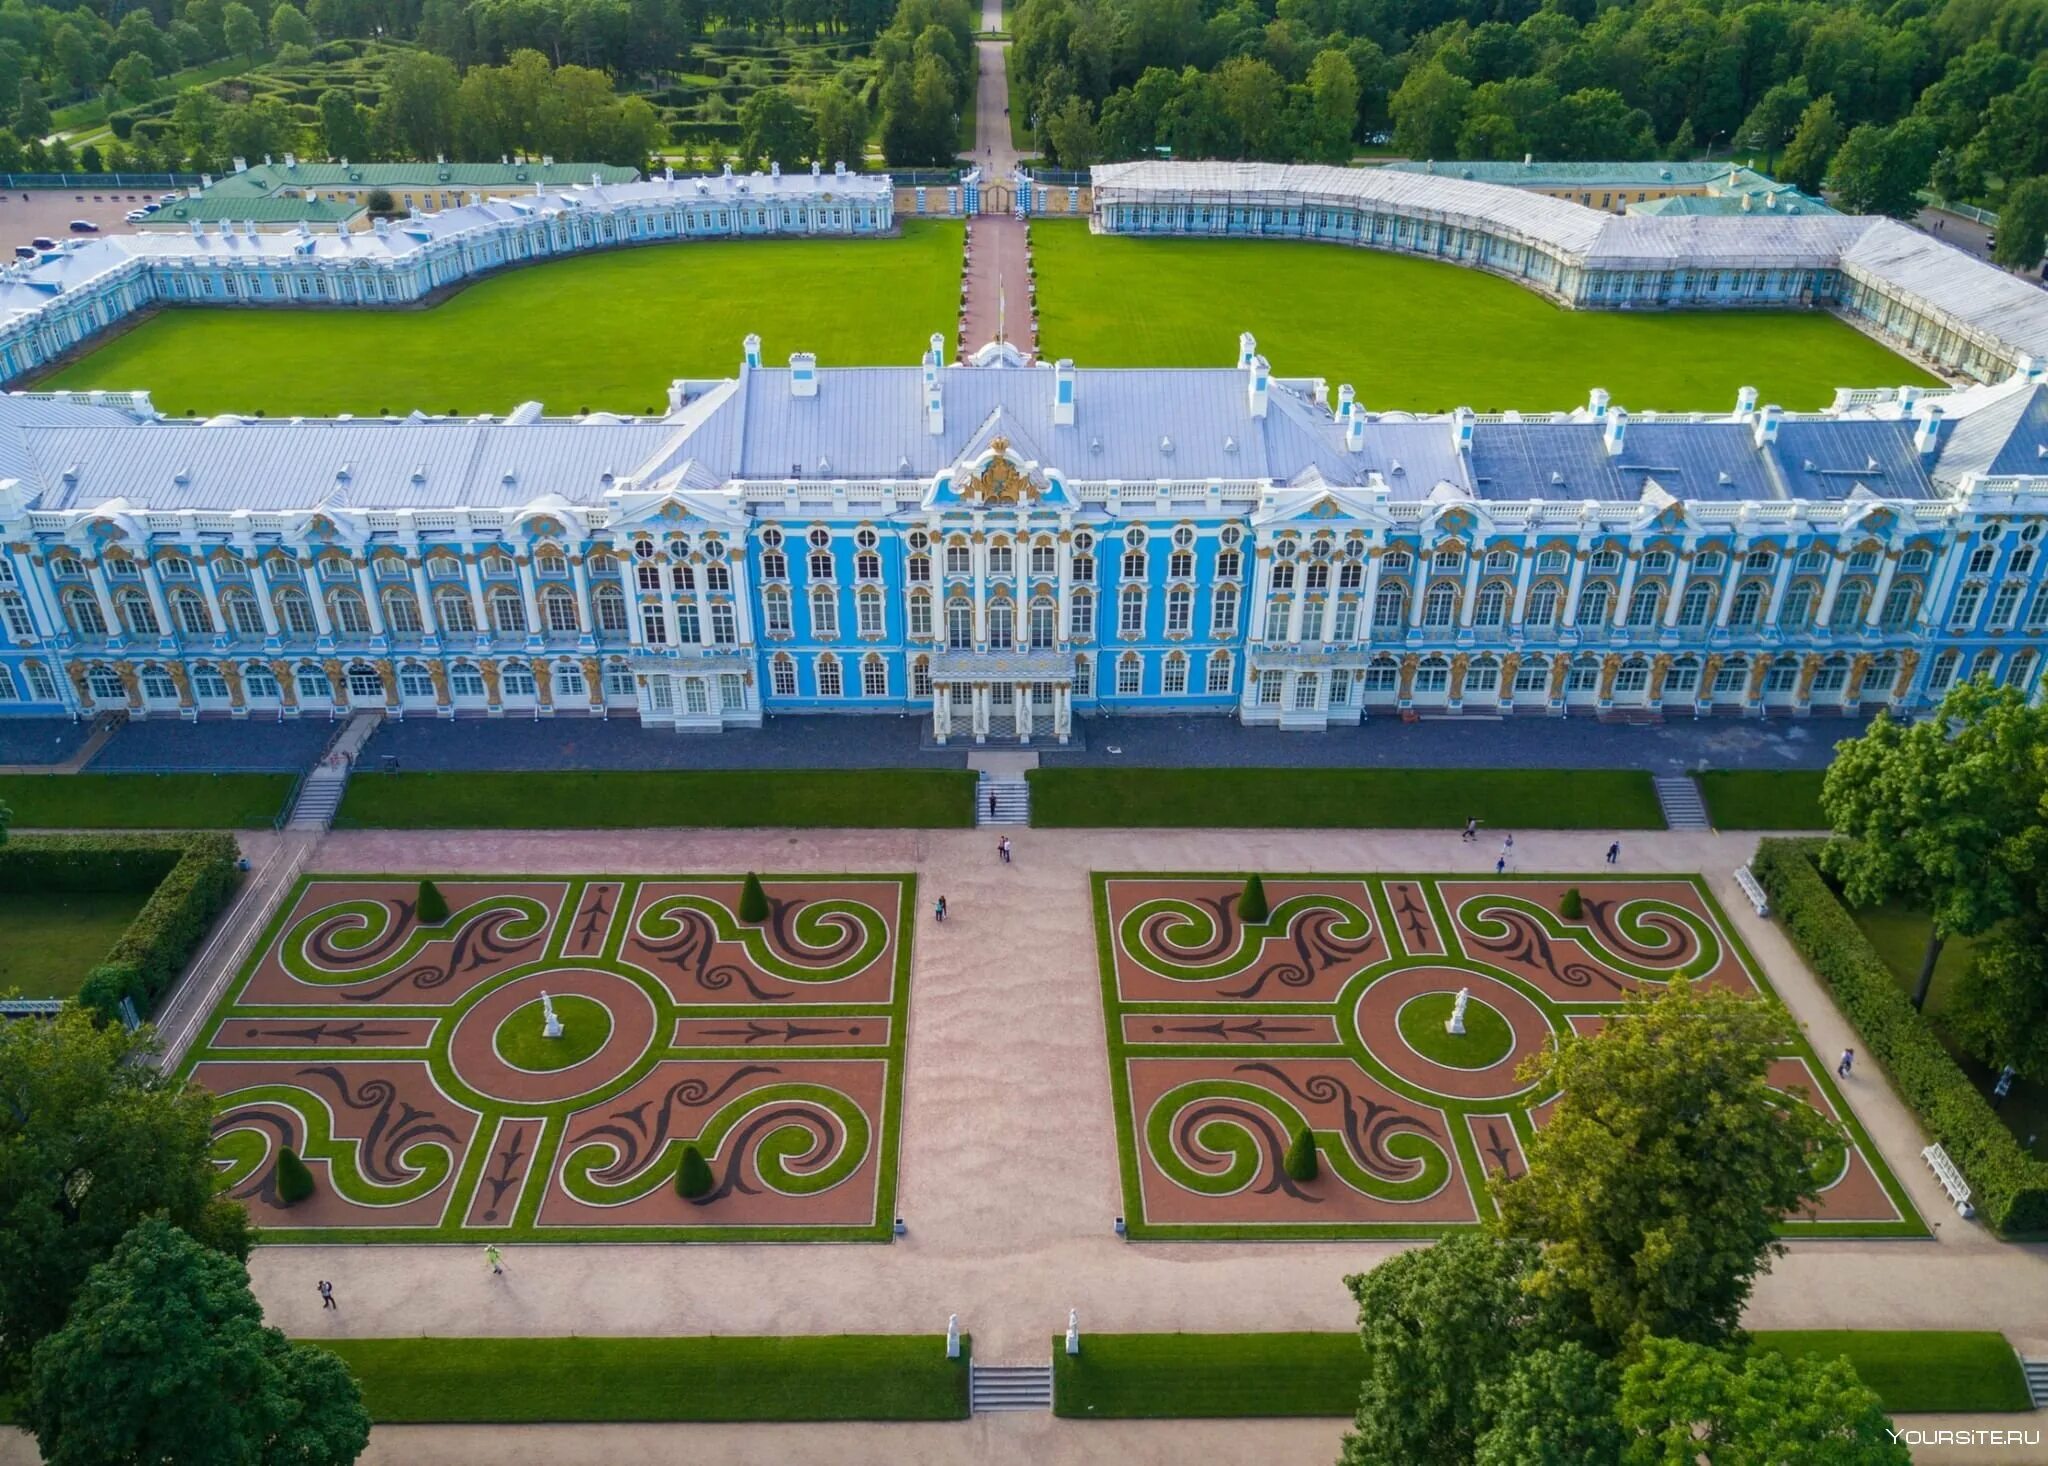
(1231, 1038)
(605, 331)
(403, 1058)
(1457, 336)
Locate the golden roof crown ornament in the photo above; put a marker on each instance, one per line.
(1002, 482)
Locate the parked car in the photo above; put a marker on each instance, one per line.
(84, 226)
(169, 198)
(43, 241)
(136, 216)
(26, 252)
(151, 207)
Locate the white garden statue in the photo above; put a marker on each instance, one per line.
(1456, 1022)
(1073, 1331)
(550, 1025)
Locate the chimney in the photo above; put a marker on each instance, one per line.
(2033, 368)
(1908, 396)
(774, 169)
(1745, 404)
(803, 374)
(242, 164)
(1247, 349)
(1617, 430)
(291, 160)
(1528, 160)
(1596, 404)
(1765, 432)
(839, 169)
(1347, 399)
(1461, 430)
(816, 167)
(1927, 437)
(750, 351)
(1063, 393)
(934, 401)
(1745, 203)
(935, 351)
(676, 394)
(596, 179)
(1256, 385)
(1354, 431)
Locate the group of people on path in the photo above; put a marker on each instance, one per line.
(1470, 836)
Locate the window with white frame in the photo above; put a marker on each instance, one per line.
(868, 608)
(1131, 611)
(1344, 625)
(1382, 675)
(465, 680)
(1389, 608)
(828, 676)
(1045, 558)
(1532, 676)
(921, 677)
(1271, 681)
(105, 684)
(2005, 604)
(782, 675)
(349, 614)
(1001, 559)
(313, 685)
(1432, 675)
(724, 626)
(1130, 674)
(1219, 672)
(824, 613)
(1682, 678)
(959, 558)
(1081, 616)
(1968, 601)
(1180, 610)
(920, 618)
(653, 625)
(1604, 562)
(874, 677)
(1552, 562)
(508, 612)
(1002, 626)
(1656, 562)
(1593, 604)
(157, 685)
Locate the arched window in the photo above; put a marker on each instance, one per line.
(83, 612)
(106, 685)
(401, 612)
(349, 616)
(454, 609)
(1748, 606)
(1044, 623)
(136, 611)
(1130, 675)
(1798, 607)
(1223, 612)
(610, 602)
(558, 611)
(960, 624)
(297, 614)
(508, 612)
(1632, 677)
(1898, 605)
(828, 676)
(775, 610)
(1440, 606)
(824, 613)
(1081, 616)
(1642, 606)
(1131, 611)
(364, 684)
(14, 611)
(1698, 602)
(191, 613)
(874, 676)
(1849, 603)
(920, 615)
(1542, 610)
(1219, 672)
(1084, 676)
(782, 675)
(867, 605)
(1593, 604)
(1482, 678)
(1002, 625)
(1173, 675)
(921, 677)
(1389, 608)
(1432, 675)
(1492, 607)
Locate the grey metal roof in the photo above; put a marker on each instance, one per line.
(1974, 294)
(1709, 461)
(2004, 437)
(1831, 460)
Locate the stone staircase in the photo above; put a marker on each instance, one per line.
(1012, 801)
(1680, 800)
(2037, 1381)
(320, 794)
(996, 1387)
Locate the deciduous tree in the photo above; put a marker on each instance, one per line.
(1682, 1403)
(2023, 225)
(1812, 146)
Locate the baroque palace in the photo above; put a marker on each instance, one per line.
(998, 546)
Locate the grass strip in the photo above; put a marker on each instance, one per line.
(636, 799)
(144, 801)
(1198, 1376)
(529, 1381)
(1404, 799)
(1764, 799)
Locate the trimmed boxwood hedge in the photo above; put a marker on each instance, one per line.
(2008, 1187)
(192, 877)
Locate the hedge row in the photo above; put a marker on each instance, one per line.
(2008, 1187)
(194, 877)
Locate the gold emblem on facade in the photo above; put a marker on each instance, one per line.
(1002, 482)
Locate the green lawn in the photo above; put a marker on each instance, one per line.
(53, 939)
(1186, 1376)
(634, 799)
(1405, 799)
(1900, 937)
(1770, 799)
(1465, 338)
(144, 801)
(517, 1381)
(602, 331)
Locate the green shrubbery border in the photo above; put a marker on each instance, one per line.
(191, 878)
(2008, 1187)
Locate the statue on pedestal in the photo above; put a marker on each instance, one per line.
(551, 1026)
(1456, 1023)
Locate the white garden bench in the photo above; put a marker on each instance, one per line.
(1950, 1178)
(1753, 889)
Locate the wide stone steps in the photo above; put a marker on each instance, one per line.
(1680, 800)
(1012, 802)
(319, 797)
(2037, 1381)
(995, 1387)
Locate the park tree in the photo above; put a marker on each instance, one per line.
(1070, 135)
(289, 27)
(165, 1358)
(133, 79)
(1654, 1190)
(841, 121)
(2023, 225)
(31, 113)
(1438, 1325)
(416, 115)
(773, 128)
(753, 900)
(1333, 94)
(294, 1181)
(197, 118)
(1251, 904)
(1302, 1164)
(429, 905)
(242, 31)
(1880, 170)
(344, 126)
(1428, 110)
(1684, 1402)
(263, 127)
(379, 204)
(1553, 1407)
(1943, 816)
(1812, 146)
(1775, 117)
(93, 1137)
(1999, 1010)
(693, 1175)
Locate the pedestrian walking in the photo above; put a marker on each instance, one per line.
(1003, 849)
(1500, 864)
(939, 910)
(1614, 852)
(326, 1291)
(1848, 1063)
(1472, 828)
(991, 805)
(491, 1256)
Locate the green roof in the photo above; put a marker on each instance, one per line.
(1789, 201)
(211, 209)
(266, 179)
(1591, 175)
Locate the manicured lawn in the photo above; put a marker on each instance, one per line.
(144, 801)
(53, 939)
(1187, 1376)
(1465, 338)
(603, 331)
(1487, 1039)
(1406, 799)
(521, 1040)
(1920, 1371)
(512, 1381)
(1764, 799)
(631, 799)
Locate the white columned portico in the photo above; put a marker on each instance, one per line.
(1778, 585)
(1874, 618)
(1571, 590)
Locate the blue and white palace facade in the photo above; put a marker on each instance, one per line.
(68, 294)
(1961, 315)
(1002, 547)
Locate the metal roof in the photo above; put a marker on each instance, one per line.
(2008, 436)
(264, 179)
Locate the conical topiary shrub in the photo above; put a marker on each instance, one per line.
(693, 1177)
(1302, 1164)
(1251, 906)
(1572, 907)
(433, 906)
(294, 1181)
(753, 900)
